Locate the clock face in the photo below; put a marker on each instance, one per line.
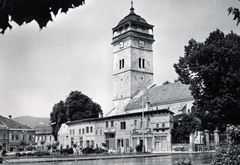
(121, 44)
(141, 43)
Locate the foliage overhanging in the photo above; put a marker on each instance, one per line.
(25, 11)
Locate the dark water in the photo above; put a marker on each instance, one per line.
(197, 159)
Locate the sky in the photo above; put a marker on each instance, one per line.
(38, 68)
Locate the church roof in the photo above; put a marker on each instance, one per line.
(10, 124)
(160, 95)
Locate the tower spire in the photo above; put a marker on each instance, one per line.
(132, 9)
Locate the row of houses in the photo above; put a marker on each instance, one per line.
(147, 124)
(13, 134)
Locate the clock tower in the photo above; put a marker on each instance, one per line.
(132, 59)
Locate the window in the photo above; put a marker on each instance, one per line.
(100, 132)
(123, 125)
(163, 125)
(157, 125)
(148, 122)
(121, 63)
(91, 129)
(83, 131)
(70, 132)
(30, 137)
(96, 131)
(73, 131)
(50, 138)
(12, 137)
(141, 63)
(87, 131)
(141, 123)
(16, 137)
(106, 124)
(79, 131)
(23, 137)
(112, 123)
(135, 124)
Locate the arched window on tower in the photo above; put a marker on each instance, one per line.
(140, 62)
(121, 63)
(143, 63)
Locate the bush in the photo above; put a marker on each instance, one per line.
(39, 153)
(139, 148)
(18, 154)
(87, 150)
(30, 154)
(30, 148)
(24, 154)
(230, 156)
(70, 151)
(4, 152)
(99, 150)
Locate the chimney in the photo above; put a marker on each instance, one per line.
(10, 116)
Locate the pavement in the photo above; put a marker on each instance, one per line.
(91, 157)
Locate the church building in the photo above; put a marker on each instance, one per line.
(142, 112)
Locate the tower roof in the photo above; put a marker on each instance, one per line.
(133, 17)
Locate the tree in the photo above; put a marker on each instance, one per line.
(80, 106)
(184, 126)
(212, 69)
(25, 11)
(77, 106)
(58, 115)
(235, 12)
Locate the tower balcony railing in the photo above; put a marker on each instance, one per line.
(133, 33)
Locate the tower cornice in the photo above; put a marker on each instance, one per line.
(133, 70)
(133, 33)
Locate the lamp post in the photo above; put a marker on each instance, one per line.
(143, 125)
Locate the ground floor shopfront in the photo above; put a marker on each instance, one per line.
(127, 142)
